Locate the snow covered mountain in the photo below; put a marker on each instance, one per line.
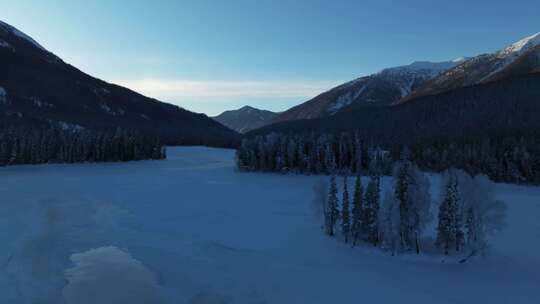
(37, 87)
(520, 58)
(245, 119)
(383, 88)
(485, 98)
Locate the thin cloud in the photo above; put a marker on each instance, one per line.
(227, 89)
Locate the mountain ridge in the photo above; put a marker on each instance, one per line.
(245, 119)
(519, 58)
(379, 89)
(38, 87)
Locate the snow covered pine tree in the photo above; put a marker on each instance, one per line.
(450, 227)
(332, 211)
(357, 211)
(412, 193)
(371, 211)
(345, 212)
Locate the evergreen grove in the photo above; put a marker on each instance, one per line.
(467, 212)
(507, 160)
(23, 145)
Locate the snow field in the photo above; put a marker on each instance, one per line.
(193, 230)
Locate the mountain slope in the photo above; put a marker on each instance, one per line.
(380, 89)
(520, 58)
(38, 87)
(499, 108)
(245, 119)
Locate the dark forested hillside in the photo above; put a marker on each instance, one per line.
(37, 85)
(491, 128)
(496, 108)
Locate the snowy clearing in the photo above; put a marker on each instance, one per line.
(192, 230)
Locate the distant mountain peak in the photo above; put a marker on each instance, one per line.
(426, 67)
(248, 108)
(245, 119)
(380, 89)
(519, 58)
(522, 45)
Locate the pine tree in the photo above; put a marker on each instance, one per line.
(412, 193)
(389, 223)
(332, 212)
(457, 211)
(473, 227)
(401, 192)
(446, 229)
(330, 159)
(345, 213)
(371, 211)
(357, 211)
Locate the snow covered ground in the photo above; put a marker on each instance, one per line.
(192, 230)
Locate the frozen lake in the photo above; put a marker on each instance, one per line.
(192, 230)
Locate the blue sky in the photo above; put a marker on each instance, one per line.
(209, 56)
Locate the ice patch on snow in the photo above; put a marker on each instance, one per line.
(108, 275)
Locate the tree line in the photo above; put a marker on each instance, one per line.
(396, 221)
(28, 145)
(505, 159)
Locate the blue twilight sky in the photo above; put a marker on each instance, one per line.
(208, 56)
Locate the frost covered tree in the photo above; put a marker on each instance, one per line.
(447, 214)
(332, 208)
(508, 158)
(389, 223)
(412, 192)
(357, 210)
(345, 212)
(371, 211)
(307, 153)
(484, 215)
(450, 226)
(468, 213)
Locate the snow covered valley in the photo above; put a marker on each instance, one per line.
(191, 229)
